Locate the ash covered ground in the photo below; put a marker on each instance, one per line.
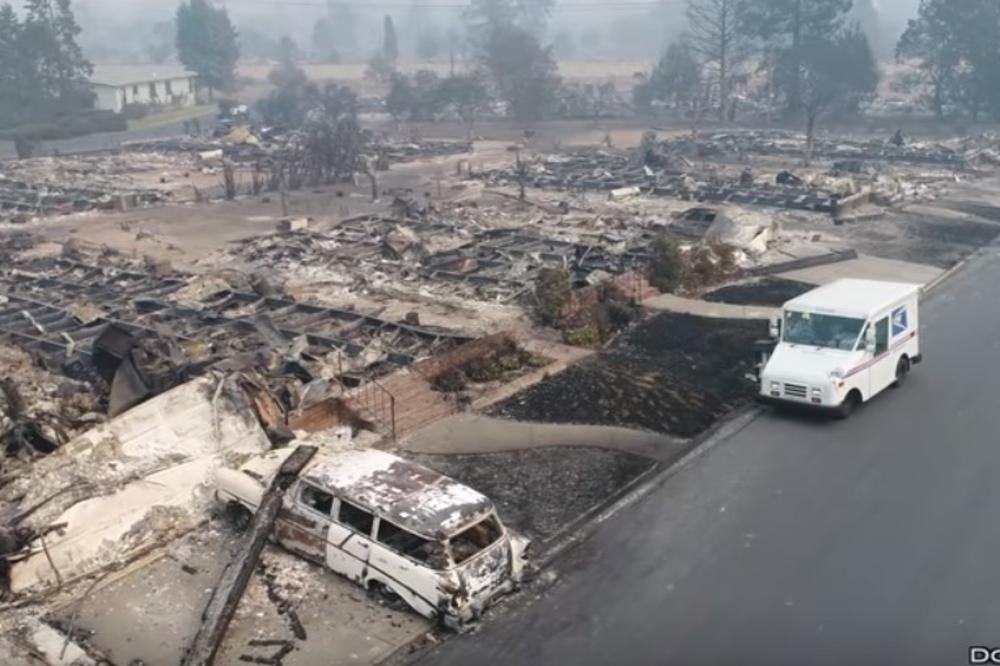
(672, 373)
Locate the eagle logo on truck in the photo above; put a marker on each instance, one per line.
(900, 322)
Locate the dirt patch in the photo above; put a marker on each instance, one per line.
(540, 491)
(672, 373)
(766, 292)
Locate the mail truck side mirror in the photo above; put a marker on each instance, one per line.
(870, 340)
(775, 327)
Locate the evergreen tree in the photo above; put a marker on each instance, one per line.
(206, 43)
(956, 44)
(522, 73)
(796, 26)
(390, 43)
(43, 73)
(11, 68)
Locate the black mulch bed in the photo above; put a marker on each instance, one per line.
(672, 373)
(765, 292)
(540, 491)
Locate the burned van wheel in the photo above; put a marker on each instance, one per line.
(386, 597)
(238, 516)
(850, 403)
(902, 372)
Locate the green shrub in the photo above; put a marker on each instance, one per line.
(585, 336)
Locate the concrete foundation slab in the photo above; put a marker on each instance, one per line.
(153, 613)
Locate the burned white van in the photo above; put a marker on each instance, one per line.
(408, 534)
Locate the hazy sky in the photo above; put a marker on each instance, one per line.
(623, 24)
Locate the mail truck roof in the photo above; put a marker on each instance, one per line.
(853, 298)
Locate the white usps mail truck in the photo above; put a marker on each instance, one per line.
(839, 345)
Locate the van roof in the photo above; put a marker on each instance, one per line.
(852, 297)
(410, 495)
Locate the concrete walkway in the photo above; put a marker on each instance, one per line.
(867, 268)
(693, 306)
(471, 433)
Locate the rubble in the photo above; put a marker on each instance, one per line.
(41, 410)
(734, 144)
(102, 181)
(619, 174)
(128, 485)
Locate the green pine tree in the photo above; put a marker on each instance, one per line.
(206, 43)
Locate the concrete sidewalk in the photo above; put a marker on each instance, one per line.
(693, 306)
(867, 268)
(472, 433)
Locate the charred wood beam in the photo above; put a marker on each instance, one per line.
(233, 583)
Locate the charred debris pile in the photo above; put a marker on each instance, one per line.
(90, 337)
(958, 153)
(431, 251)
(156, 172)
(717, 168)
(656, 172)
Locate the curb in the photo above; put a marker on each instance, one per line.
(940, 279)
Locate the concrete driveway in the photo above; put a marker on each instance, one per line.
(800, 541)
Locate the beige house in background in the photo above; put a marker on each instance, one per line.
(119, 86)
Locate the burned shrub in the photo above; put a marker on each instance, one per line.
(726, 255)
(709, 264)
(667, 267)
(509, 358)
(451, 381)
(596, 324)
(499, 365)
(703, 268)
(552, 294)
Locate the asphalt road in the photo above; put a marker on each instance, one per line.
(870, 541)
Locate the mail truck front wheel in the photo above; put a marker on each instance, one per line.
(851, 402)
(902, 372)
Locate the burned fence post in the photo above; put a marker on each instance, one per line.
(226, 598)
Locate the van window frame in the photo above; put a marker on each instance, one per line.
(449, 563)
(340, 502)
(333, 500)
(501, 534)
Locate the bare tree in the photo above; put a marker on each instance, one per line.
(719, 38)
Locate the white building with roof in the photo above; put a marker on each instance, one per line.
(124, 85)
